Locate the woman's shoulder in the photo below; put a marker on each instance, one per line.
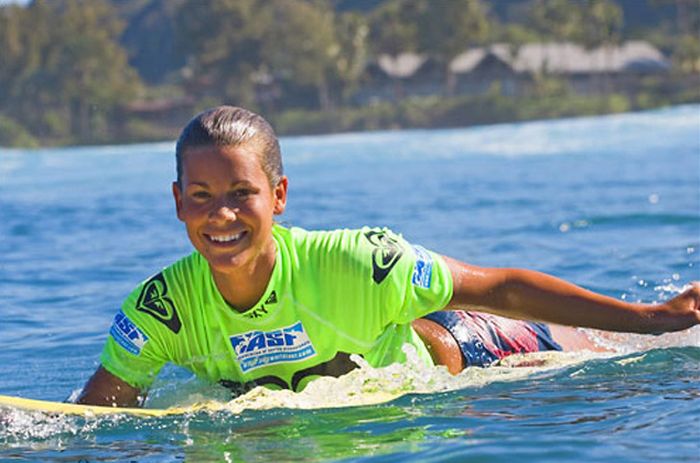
(162, 299)
(343, 238)
(186, 270)
(365, 244)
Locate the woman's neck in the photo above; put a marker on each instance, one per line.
(243, 288)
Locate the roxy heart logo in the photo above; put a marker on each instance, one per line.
(385, 255)
(154, 301)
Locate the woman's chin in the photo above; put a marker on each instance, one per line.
(226, 264)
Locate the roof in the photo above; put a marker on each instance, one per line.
(469, 60)
(570, 58)
(401, 66)
(553, 57)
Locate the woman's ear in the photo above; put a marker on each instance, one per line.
(177, 195)
(280, 195)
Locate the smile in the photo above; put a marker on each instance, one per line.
(225, 239)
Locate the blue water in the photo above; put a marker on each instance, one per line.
(611, 203)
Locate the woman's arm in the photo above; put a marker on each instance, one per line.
(532, 295)
(103, 388)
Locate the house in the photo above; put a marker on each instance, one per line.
(620, 65)
(513, 69)
(392, 78)
(479, 69)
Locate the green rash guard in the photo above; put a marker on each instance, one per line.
(331, 294)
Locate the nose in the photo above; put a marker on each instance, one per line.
(223, 213)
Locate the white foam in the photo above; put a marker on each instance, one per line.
(368, 386)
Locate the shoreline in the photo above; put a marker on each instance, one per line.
(348, 120)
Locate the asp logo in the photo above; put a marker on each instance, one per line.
(154, 300)
(387, 252)
(423, 270)
(127, 334)
(256, 349)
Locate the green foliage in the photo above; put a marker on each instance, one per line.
(144, 131)
(602, 23)
(223, 41)
(89, 70)
(65, 75)
(13, 134)
(686, 54)
(515, 34)
(351, 33)
(394, 27)
(311, 56)
(65, 70)
(449, 28)
(557, 20)
(428, 112)
(590, 22)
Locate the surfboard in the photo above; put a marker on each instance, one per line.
(48, 406)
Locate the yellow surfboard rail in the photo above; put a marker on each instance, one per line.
(48, 406)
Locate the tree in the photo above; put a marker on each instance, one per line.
(558, 20)
(685, 40)
(24, 39)
(449, 28)
(302, 44)
(222, 40)
(149, 38)
(352, 31)
(687, 53)
(394, 30)
(89, 68)
(602, 23)
(12, 46)
(71, 72)
(602, 28)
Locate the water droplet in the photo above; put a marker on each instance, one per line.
(653, 198)
(565, 227)
(676, 277)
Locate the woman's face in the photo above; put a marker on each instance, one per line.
(227, 205)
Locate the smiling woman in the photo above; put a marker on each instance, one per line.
(261, 304)
(227, 205)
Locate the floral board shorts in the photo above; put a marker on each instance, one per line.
(484, 338)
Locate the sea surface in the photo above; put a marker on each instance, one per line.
(611, 203)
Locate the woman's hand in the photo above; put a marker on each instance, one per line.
(680, 313)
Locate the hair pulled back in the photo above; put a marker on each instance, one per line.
(232, 126)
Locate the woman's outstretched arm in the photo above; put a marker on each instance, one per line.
(531, 295)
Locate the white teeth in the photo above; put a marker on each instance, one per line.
(225, 238)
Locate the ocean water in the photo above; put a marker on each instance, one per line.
(611, 203)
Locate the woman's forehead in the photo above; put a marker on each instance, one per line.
(217, 161)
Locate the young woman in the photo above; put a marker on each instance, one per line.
(260, 304)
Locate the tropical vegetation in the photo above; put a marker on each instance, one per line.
(108, 71)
